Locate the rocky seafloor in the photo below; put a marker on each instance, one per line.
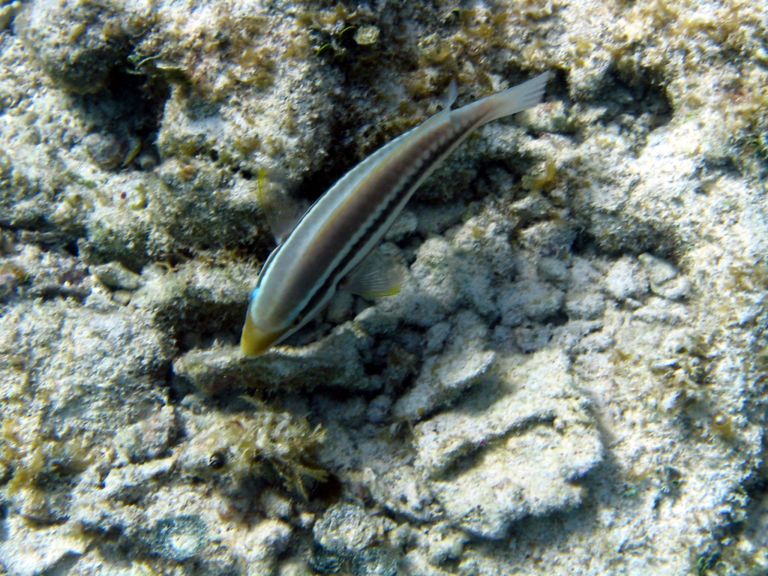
(571, 381)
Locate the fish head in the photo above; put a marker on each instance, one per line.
(255, 338)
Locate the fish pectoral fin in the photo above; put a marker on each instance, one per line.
(377, 276)
(281, 212)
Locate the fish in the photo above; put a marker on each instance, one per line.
(344, 225)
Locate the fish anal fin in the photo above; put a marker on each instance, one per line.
(379, 275)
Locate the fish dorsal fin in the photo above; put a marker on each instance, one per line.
(449, 98)
(281, 212)
(377, 276)
(446, 101)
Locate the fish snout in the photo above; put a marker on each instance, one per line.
(254, 340)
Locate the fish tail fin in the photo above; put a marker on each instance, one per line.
(517, 98)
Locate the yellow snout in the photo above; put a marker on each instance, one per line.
(255, 341)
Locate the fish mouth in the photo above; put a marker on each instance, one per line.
(255, 341)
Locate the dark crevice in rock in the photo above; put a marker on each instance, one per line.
(124, 120)
(628, 98)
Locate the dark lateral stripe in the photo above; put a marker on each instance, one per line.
(336, 275)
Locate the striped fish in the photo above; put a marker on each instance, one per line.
(342, 227)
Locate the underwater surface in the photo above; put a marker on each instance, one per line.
(571, 379)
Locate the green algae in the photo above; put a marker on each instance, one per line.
(261, 444)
